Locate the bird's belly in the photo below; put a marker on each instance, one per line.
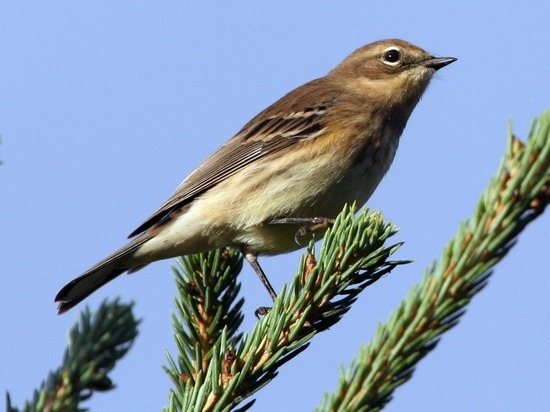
(239, 210)
(320, 196)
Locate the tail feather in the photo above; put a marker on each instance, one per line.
(83, 286)
(103, 272)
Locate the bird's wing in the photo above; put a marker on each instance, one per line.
(264, 135)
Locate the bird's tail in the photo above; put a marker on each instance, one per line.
(103, 272)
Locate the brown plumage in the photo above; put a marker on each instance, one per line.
(324, 144)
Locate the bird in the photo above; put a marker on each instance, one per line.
(288, 172)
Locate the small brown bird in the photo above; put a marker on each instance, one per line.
(289, 170)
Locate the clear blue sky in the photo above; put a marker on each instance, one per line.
(105, 107)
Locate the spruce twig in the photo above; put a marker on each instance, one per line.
(208, 315)
(217, 374)
(96, 342)
(516, 196)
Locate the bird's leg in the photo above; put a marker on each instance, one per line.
(252, 258)
(310, 224)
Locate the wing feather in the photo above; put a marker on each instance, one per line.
(264, 135)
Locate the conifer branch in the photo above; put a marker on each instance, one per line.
(219, 369)
(515, 196)
(96, 342)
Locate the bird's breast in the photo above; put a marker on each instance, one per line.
(318, 185)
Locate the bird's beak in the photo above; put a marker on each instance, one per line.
(437, 63)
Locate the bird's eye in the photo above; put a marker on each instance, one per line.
(392, 56)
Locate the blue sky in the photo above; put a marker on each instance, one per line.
(106, 106)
